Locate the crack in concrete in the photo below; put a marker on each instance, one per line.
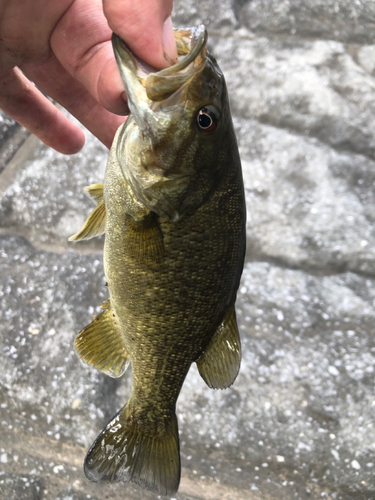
(10, 171)
(323, 271)
(85, 248)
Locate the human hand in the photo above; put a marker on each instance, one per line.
(65, 48)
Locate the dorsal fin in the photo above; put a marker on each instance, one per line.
(102, 345)
(95, 191)
(94, 225)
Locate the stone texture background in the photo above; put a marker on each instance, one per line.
(299, 421)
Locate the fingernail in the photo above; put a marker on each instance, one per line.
(169, 42)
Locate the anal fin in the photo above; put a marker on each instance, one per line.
(101, 344)
(220, 363)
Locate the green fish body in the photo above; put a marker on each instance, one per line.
(173, 211)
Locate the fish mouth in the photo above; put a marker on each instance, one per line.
(147, 88)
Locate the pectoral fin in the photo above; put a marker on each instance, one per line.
(145, 240)
(220, 363)
(101, 344)
(94, 226)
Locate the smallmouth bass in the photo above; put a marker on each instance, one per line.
(173, 211)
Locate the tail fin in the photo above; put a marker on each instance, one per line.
(123, 453)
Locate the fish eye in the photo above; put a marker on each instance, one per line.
(208, 119)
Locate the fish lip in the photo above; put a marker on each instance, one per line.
(144, 83)
(124, 54)
(198, 42)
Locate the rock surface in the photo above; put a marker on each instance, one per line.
(299, 421)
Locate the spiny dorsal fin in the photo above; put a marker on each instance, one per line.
(95, 191)
(101, 344)
(124, 451)
(220, 363)
(106, 304)
(94, 226)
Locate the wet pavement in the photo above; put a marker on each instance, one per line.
(299, 421)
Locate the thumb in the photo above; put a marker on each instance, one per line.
(146, 26)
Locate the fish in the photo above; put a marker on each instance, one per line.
(172, 208)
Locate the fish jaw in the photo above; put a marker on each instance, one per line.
(146, 88)
(192, 48)
(132, 78)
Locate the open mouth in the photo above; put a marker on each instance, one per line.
(159, 85)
